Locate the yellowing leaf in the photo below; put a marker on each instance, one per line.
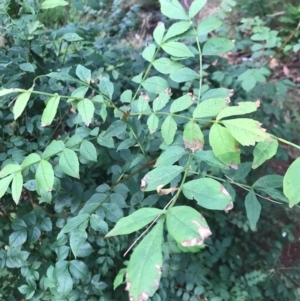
(193, 137)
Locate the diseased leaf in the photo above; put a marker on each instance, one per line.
(187, 226)
(208, 193)
(135, 221)
(45, 175)
(168, 130)
(207, 25)
(224, 146)
(291, 183)
(177, 29)
(86, 110)
(162, 175)
(50, 110)
(177, 49)
(210, 107)
(152, 123)
(253, 209)
(246, 131)
(195, 7)
(173, 9)
(158, 33)
(155, 84)
(88, 151)
(170, 156)
(182, 103)
(69, 164)
(216, 46)
(192, 136)
(263, 151)
(143, 272)
(17, 186)
(21, 103)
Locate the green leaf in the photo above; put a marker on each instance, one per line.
(86, 110)
(53, 3)
(192, 136)
(224, 145)
(216, 46)
(88, 151)
(30, 160)
(54, 148)
(253, 209)
(135, 221)
(162, 175)
(152, 123)
(216, 93)
(68, 162)
(61, 76)
(208, 193)
(173, 9)
(27, 67)
(155, 84)
(246, 131)
(210, 107)
(4, 183)
(73, 223)
(195, 7)
(177, 49)
(21, 103)
(98, 224)
(158, 33)
(106, 87)
(115, 129)
(291, 183)
(119, 278)
(9, 169)
(241, 108)
(184, 75)
(74, 141)
(263, 151)
(182, 103)
(112, 212)
(166, 66)
(9, 91)
(144, 267)
(78, 269)
(126, 96)
(207, 25)
(148, 53)
(64, 282)
(17, 238)
(209, 157)
(161, 101)
(168, 130)
(105, 141)
(276, 195)
(71, 37)
(187, 226)
(170, 156)
(45, 175)
(17, 186)
(77, 238)
(84, 74)
(177, 29)
(270, 181)
(50, 110)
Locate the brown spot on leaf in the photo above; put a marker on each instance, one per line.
(158, 268)
(143, 182)
(229, 207)
(257, 103)
(145, 95)
(168, 91)
(192, 96)
(196, 145)
(224, 191)
(143, 297)
(233, 166)
(204, 232)
(161, 191)
(230, 92)
(128, 284)
(227, 100)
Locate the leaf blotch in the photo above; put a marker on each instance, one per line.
(204, 233)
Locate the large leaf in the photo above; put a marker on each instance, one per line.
(264, 151)
(168, 130)
(210, 107)
(135, 221)
(53, 3)
(166, 66)
(9, 169)
(86, 110)
(193, 137)
(207, 25)
(69, 164)
(269, 181)
(45, 175)
(253, 209)
(208, 193)
(50, 110)
(177, 29)
(30, 160)
(88, 151)
(187, 226)
(170, 156)
(161, 101)
(106, 87)
(184, 75)
(162, 175)
(173, 9)
(177, 49)
(291, 183)
(182, 103)
(21, 103)
(246, 131)
(216, 46)
(54, 148)
(144, 267)
(195, 7)
(158, 33)
(224, 146)
(155, 84)
(84, 74)
(17, 186)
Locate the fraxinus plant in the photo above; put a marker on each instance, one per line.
(146, 159)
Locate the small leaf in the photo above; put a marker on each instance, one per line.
(208, 193)
(126, 96)
(187, 226)
(68, 162)
(177, 49)
(4, 183)
(152, 123)
(84, 74)
(162, 175)
(17, 186)
(158, 33)
(264, 151)
(155, 84)
(216, 46)
(161, 101)
(184, 75)
(106, 87)
(86, 110)
(144, 268)
(177, 29)
(77, 238)
(210, 107)
(182, 103)
(88, 151)
(148, 53)
(73, 223)
(207, 25)
(253, 209)
(209, 157)
(170, 156)
(195, 7)
(27, 67)
(192, 136)
(291, 183)
(173, 9)
(30, 160)
(168, 130)
(50, 110)
(166, 66)
(135, 221)
(224, 145)
(246, 131)
(45, 175)
(21, 103)
(115, 129)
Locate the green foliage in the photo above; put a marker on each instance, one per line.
(105, 152)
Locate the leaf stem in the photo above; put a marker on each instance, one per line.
(287, 142)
